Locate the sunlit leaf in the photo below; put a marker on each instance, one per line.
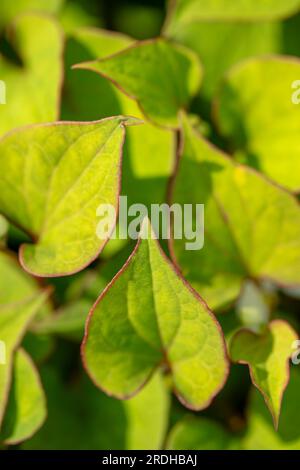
(126, 340)
(70, 169)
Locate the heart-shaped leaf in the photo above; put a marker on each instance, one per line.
(32, 88)
(162, 77)
(248, 230)
(190, 11)
(267, 356)
(149, 316)
(257, 113)
(66, 170)
(26, 409)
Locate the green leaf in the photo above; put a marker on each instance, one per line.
(193, 433)
(149, 316)
(162, 77)
(68, 169)
(256, 113)
(26, 410)
(14, 320)
(248, 230)
(138, 423)
(260, 434)
(9, 9)
(33, 88)
(267, 356)
(190, 11)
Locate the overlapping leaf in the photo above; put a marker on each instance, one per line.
(148, 316)
(248, 230)
(53, 179)
(256, 113)
(162, 77)
(26, 409)
(267, 355)
(32, 88)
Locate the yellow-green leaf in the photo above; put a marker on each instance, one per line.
(149, 316)
(53, 179)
